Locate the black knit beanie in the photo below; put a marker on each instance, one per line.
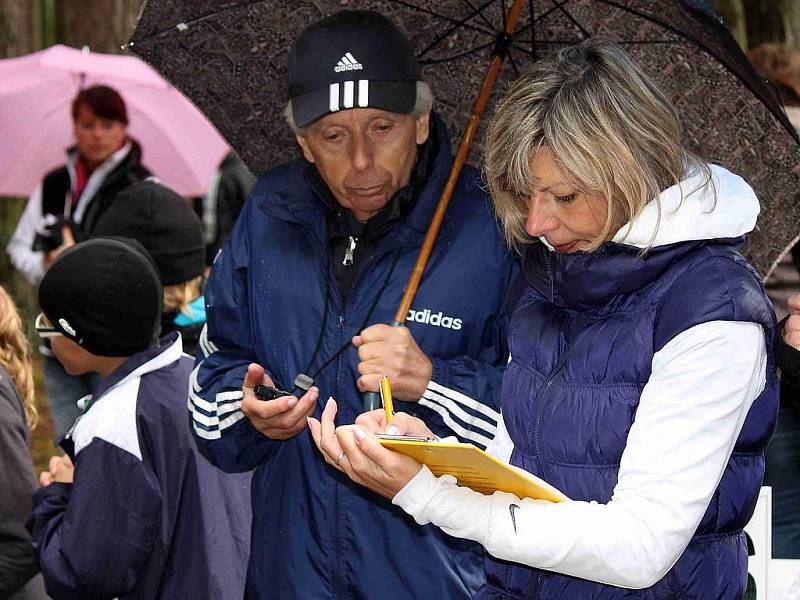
(104, 294)
(165, 225)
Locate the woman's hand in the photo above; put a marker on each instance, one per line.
(374, 421)
(360, 456)
(68, 242)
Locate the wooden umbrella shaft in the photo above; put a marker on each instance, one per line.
(455, 172)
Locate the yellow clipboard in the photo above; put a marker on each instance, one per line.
(473, 468)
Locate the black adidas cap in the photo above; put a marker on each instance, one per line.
(352, 59)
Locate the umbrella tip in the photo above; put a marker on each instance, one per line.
(182, 26)
(126, 46)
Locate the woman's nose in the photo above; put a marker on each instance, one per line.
(540, 219)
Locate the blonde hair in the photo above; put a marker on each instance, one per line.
(610, 130)
(15, 355)
(180, 295)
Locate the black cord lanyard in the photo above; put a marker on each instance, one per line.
(302, 381)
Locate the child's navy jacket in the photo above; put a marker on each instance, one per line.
(147, 516)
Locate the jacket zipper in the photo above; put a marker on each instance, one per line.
(348, 253)
(536, 577)
(336, 583)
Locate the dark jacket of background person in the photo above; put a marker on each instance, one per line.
(789, 364)
(220, 207)
(17, 482)
(143, 497)
(52, 197)
(783, 458)
(316, 534)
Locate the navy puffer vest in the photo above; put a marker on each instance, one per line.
(582, 342)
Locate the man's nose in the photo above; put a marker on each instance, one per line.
(540, 219)
(362, 153)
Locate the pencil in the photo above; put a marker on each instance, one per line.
(386, 399)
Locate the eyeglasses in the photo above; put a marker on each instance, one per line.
(44, 328)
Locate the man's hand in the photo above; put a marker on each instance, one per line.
(392, 351)
(278, 419)
(69, 241)
(791, 331)
(60, 470)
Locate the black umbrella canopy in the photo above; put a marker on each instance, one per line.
(230, 59)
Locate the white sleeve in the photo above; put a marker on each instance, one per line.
(20, 246)
(501, 445)
(691, 411)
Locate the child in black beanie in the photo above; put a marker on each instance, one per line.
(165, 224)
(141, 514)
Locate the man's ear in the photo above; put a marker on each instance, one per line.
(423, 128)
(303, 142)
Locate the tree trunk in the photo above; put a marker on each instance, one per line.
(790, 14)
(20, 27)
(733, 13)
(103, 25)
(764, 21)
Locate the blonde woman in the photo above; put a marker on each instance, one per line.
(17, 478)
(641, 382)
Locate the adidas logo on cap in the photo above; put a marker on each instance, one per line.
(347, 63)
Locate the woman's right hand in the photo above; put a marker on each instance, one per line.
(374, 421)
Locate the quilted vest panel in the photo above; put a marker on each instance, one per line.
(582, 342)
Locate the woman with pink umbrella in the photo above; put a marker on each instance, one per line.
(65, 206)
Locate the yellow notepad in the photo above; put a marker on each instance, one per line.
(473, 468)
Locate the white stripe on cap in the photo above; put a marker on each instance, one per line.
(334, 97)
(352, 60)
(363, 92)
(348, 94)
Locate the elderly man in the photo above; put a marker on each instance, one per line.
(315, 266)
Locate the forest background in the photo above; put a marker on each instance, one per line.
(103, 25)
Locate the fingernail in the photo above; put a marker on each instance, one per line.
(292, 401)
(392, 430)
(359, 433)
(328, 403)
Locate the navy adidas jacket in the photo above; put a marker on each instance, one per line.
(315, 533)
(147, 517)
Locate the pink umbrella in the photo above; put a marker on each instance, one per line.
(179, 145)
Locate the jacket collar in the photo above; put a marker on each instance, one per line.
(168, 350)
(291, 197)
(101, 175)
(681, 218)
